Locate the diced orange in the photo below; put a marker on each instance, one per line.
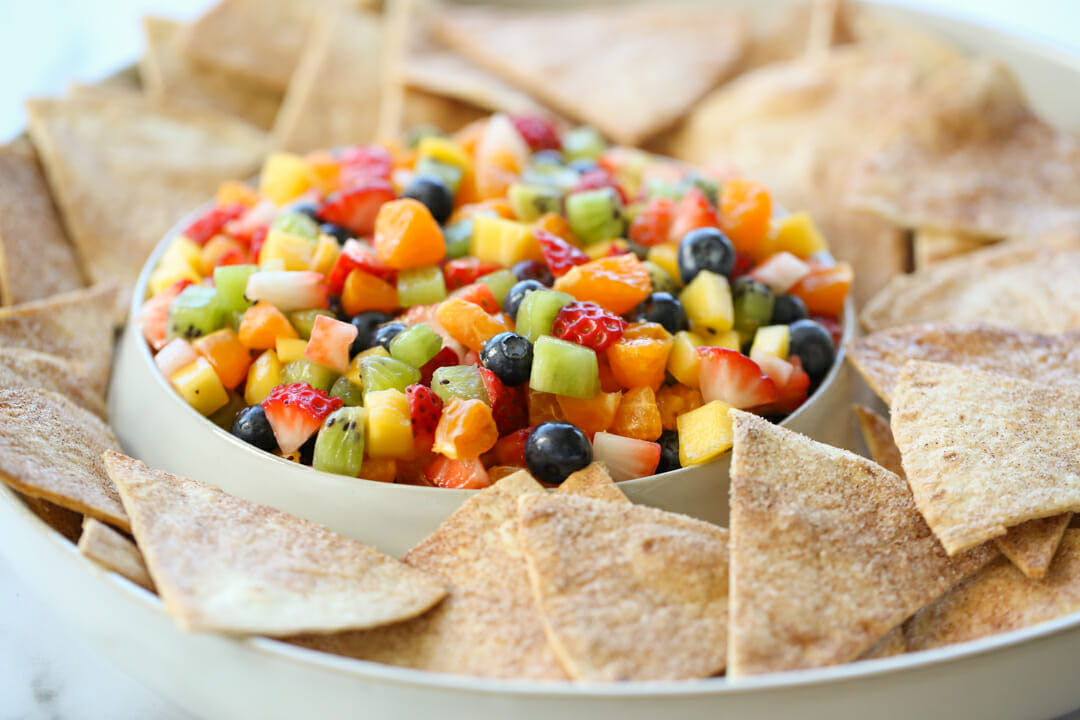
(364, 291)
(407, 236)
(227, 355)
(543, 407)
(495, 173)
(673, 400)
(469, 324)
(379, 469)
(495, 206)
(469, 136)
(637, 416)
(640, 356)
(479, 294)
(556, 224)
(608, 383)
(466, 429)
(221, 250)
(617, 283)
(262, 325)
(324, 171)
(592, 415)
(745, 211)
(824, 290)
(233, 192)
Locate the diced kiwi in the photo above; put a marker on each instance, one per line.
(709, 188)
(385, 373)
(752, 302)
(421, 286)
(415, 345)
(463, 381)
(551, 174)
(583, 142)
(304, 371)
(595, 215)
(295, 223)
(195, 312)
(349, 392)
(303, 320)
(339, 446)
(531, 201)
(458, 237)
(537, 312)
(231, 281)
(449, 173)
(225, 416)
(564, 368)
(499, 282)
(661, 280)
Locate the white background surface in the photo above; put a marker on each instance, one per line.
(46, 671)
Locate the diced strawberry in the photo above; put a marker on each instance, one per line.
(778, 370)
(793, 393)
(692, 212)
(743, 264)
(212, 222)
(425, 408)
(330, 342)
(616, 249)
(356, 255)
(154, 314)
(288, 289)
(510, 449)
(355, 208)
(444, 358)
(296, 412)
(363, 163)
(465, 271)
(559, 255)
(652, 225)
(174, 356)
(509, 406)
(588, 324)
(232, 257)
(733, 378)
(832, 325)
(626, 458)
(255, 221)
(479, 294)
(539, 132)
(596, 178)
(472, 357)
(447, 473)
(780, 272)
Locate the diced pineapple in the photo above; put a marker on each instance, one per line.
(503, 241)
(180, 261)
(294, 252)
(683, 362)
(389, 425)
(707, 301)
(263, 376)
(284, 177)
(200, 386)
(326, 254)
(666, 255)
(727, 339)
(443, 150)
(605, 248)
(771, 340)
(289, 349)
(704, 433)
(797, 234)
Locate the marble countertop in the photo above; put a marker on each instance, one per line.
(47, 671)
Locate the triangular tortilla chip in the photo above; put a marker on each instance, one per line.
(21, 368)
(998, 599)
(333, 97)
(657, 61)
(828, 552)
(929, 247)
(125, 170)
(228, 565)
(114, 552)
(36, 259)
(488, 625)
(1009, 284)
(879, 440)
(66, 522)
(51, 448)
(984, 452)
(76, 326)
(627, 592)
(892, 644)
(595, 482)
(169, 75)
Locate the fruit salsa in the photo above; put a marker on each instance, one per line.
(511, 296)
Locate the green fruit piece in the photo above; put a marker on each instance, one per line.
(583, 142)
(421, 286)
(195, 312)
(709, 188)
(339, 446)
(419, 132)
(458, 237)
(595, 215)
(659, 187)
(303, 320)
(564, 368)
(752, 302)
(531, 201)
(499, 282)
(349, 392)
(463, 381)
(449, 173)
(298, 224)
(551, 174)
(415, 345)
(661, 280)
(224, 417)
(231, 281)
(385, 373)
(537, 312)
(304, 371)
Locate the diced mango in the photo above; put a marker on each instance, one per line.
(797, 234)
(263, 376)
(502, 241)
(704, 433)
(683, 362)
(200, 386)
(289, 349)
(389, 424)
(771, 340)
(284, 177)
(295, 252)
(707, 301)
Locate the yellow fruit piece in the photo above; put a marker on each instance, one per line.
(294, 252)
(443, 150)
(180, 261)
(200, 386)
(704, 433)
(326, 254)
(673, 401)
(503, 241)
(289, 349)
(797, 234)
(389, 425)
(604, 248)
(771, 340)
(667, 257)
(284, 177)
(263, 376)
(234, 192)
(683, 362)
(707, 301)
(353, 373)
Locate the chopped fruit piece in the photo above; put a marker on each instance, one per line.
(174, 356)
(616, 283)
(262, 325)
(824, 290)
(745, 210)
(356, 208)
(588, 324)
(666, 257)
(180, 262)
(407, 236)
(222, 250)
(626, 458)
(200, 386)
(443, 150)
(363, 292)
(501, 154)
(432, 193)
(705, 433)
(499, 282)
(154, 314)
(339, 446)
(556, 224)
(284, 177)
(228, 356)
(608, 383)
(503, 242)
(771, 340)
(797, 234)
(564, 368)
(420, 286)
(652, 226)
(779, 371)
(752, 302)
(301, 370)
(462, 474)
(730, 376)
(195, 312)
(466, 430)
(554, 450)
(290, 349)
(212, 222)
(780, 272)
(263, 376)
(444, 358)
(234, 192)
(461, 381)
(507, 403)
(593, 414)
(540, 133)
(378, 469)
(425, 409)
(707, 301)
(692, 212)
(292, 251)
(595, 215)
(415, 345)
(389, 426)
(385, 373)
(231, 282)
(638, 416)
(355, 255)
(597, 178)
(469, 324)
(673, 400)
(532, 201)
(288, 290)
(559, 255)
(726, 339)
(350, 393)
(583, 143)
(683, 362)
(640, 356)
(543, 407)
(537, 312)
(296, 412)
(791, 394)
(363, 163)
(479, 294)
(330, 342)
(465, 271)
(303, 321)
(510, 449)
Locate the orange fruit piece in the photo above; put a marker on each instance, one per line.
(825, 289)
(226, 354)
(364, 291)
(608, 383)
(495, 206)
(745, 211)
(640, 356)
(262, 325)
(407, 236)
(378, 469)
(544, 407)
(234, 192)
(221, 250)
(466, 429)
(556, 224)
(469, 324)
(592, 415)
(325, 171)
(674, 400)
(638, 416)
(617, 283)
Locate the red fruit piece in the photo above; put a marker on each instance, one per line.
(425, 408)
(743, 265)
(626, 458)
(479, 294)
(510, 449)
(559, 255)
(356, 208)
(794, 391)
(731, 377)
(509, 406)
(330, 342)
(448, 473)
(154, 314)
(465, 271)
(355, 255)
(539, 132)
(444, 358)
(363, 163)
(212, 222)
(836, 330)
(296, 412)
(588, 324)
(693, 212)
(258, 237)
(652, 225)
(596, 178)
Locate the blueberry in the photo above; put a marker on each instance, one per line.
(787, 309)
(705, 249)
(306, 208)
(517, 293)
(669, 451)
(252, 427)
(556, 449)
(366, 324)
(509, 356)
(814, 346)
(533, 270)
(385, 333)
(434, 194)
(663, 308)
(341, 234)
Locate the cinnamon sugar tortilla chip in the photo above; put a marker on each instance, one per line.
(114, 552)
(879, 440)
(66, 522)
(169, 75)
(828, 552)
(595, 482)
(932, 246)
(36, 259)
(488, 624)
(627, 592)
(228, 565)
(657, 60)
(21, 368)
(51, 448)
(985, 452)
(892, 644)
(998, 599)
(124, 170)
(76, 326)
